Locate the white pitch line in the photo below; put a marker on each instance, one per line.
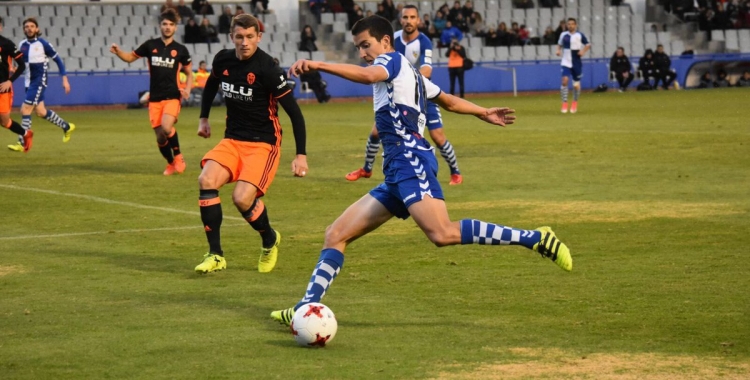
(114, 232)
(110, 201)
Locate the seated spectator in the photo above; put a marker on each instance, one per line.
(647, 67)
(355, 14)
(504, 36)
(453, 12)
(225, 20)
(523, 35)
(450, 33)
(432, 33)
(549, 37)
(202, 7)
(513, 34)
(382, 12)
(208, 32)
(307, 39)
(468, 9)
(192, 32)
(169, 4)
(721, 80)
(259, 6)
(477, 27)
(744, 80)
(439, 21)
(390, 10)
(461, 23)
(665, 74)
(562, 27)
(492, 39)
(523, 4)
(184, 11)
(706, 81)
(549, 4)
(426, 21)
(368, 13)
(316, 83)
(239, 11)
(620, 65)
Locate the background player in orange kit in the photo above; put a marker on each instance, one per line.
(166, 58)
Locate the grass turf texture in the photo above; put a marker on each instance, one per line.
(648, 190)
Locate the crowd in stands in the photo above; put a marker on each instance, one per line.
(204, 31)
(712, 14)
(721, 80)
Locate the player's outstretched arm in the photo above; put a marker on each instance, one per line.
(128, 57)
(354, 73)
(497, 115)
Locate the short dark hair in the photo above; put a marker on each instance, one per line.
(573, 19)
(245, 21)
(621, 48)
(169, 15)
(659, 46)
(33, 21)
(201, 62)
(377, 26)
(410, 6)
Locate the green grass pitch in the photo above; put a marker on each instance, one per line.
(650, 192)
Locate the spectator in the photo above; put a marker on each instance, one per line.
(664, 68)
(201, 76)
(169, 4)
(382, 12)
(239, 11)
(549, 4)
(432, 33)
(523, 4)
(492, 38)
(426, 21)
(504, 36)
(439, 21)
(208, 32)
(513, 34)
(744, 80)
(202, 7)
(368, 13)
(468, 9)
(192, 32)
(184, 11)
(461, 23)
(450, 33)
(620, 65)
(721, 80)
(477, 28)
(225, 20)
(562, 27)
(549, 37)
(355, 15)
(259, 6)
(456, 55)
(316, 83)
(647, 67)
(523, 35)
(453, 12)
(706, 81)
(390, 10)
(317, 7)
(307, 39)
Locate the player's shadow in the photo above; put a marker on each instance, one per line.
(139, 262)
(109, 168)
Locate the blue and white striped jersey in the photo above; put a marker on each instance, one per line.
(36, 53)
(571, 44)
(418, 51)
(400, 103)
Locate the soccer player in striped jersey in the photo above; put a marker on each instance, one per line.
(411, 188)
(37, 52)
(8, 54)
(417, 48)
(572, 45)
(166, 59)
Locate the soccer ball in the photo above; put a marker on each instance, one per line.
(314, 324)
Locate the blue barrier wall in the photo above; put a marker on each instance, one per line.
(123, 87)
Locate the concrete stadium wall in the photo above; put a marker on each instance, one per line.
(122, 87)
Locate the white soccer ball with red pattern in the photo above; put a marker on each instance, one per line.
(314, 324)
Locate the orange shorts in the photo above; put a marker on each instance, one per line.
(251, 162)
(169, 107)
(6, 102)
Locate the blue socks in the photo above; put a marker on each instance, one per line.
(478, 232)
(329, 265)
(373, 145)
(55, 119)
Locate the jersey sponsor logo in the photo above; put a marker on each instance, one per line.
(162, 62)
(173, 53)
(240, 93)
(428, 53)
(250, 78)
(282, 84)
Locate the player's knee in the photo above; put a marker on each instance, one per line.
(206, 181)
(334, 236)
(242, 201)
(577, 84)
(41, 113)
(438, 137)
(442, 237)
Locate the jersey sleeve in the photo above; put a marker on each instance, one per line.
(425, 51)
(49, 50)
(186, 59)
(275, 81)
(584, 40)
(560, 40)
(143, 50)
(390, 63)
(431, 90)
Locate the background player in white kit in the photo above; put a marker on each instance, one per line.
(572, 45)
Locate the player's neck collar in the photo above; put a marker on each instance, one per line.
(167, 41)
(404, 36)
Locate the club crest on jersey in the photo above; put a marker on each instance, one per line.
(162, 62)
(173, 53)
(250, 78)
(241, 93)
(416, 54)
